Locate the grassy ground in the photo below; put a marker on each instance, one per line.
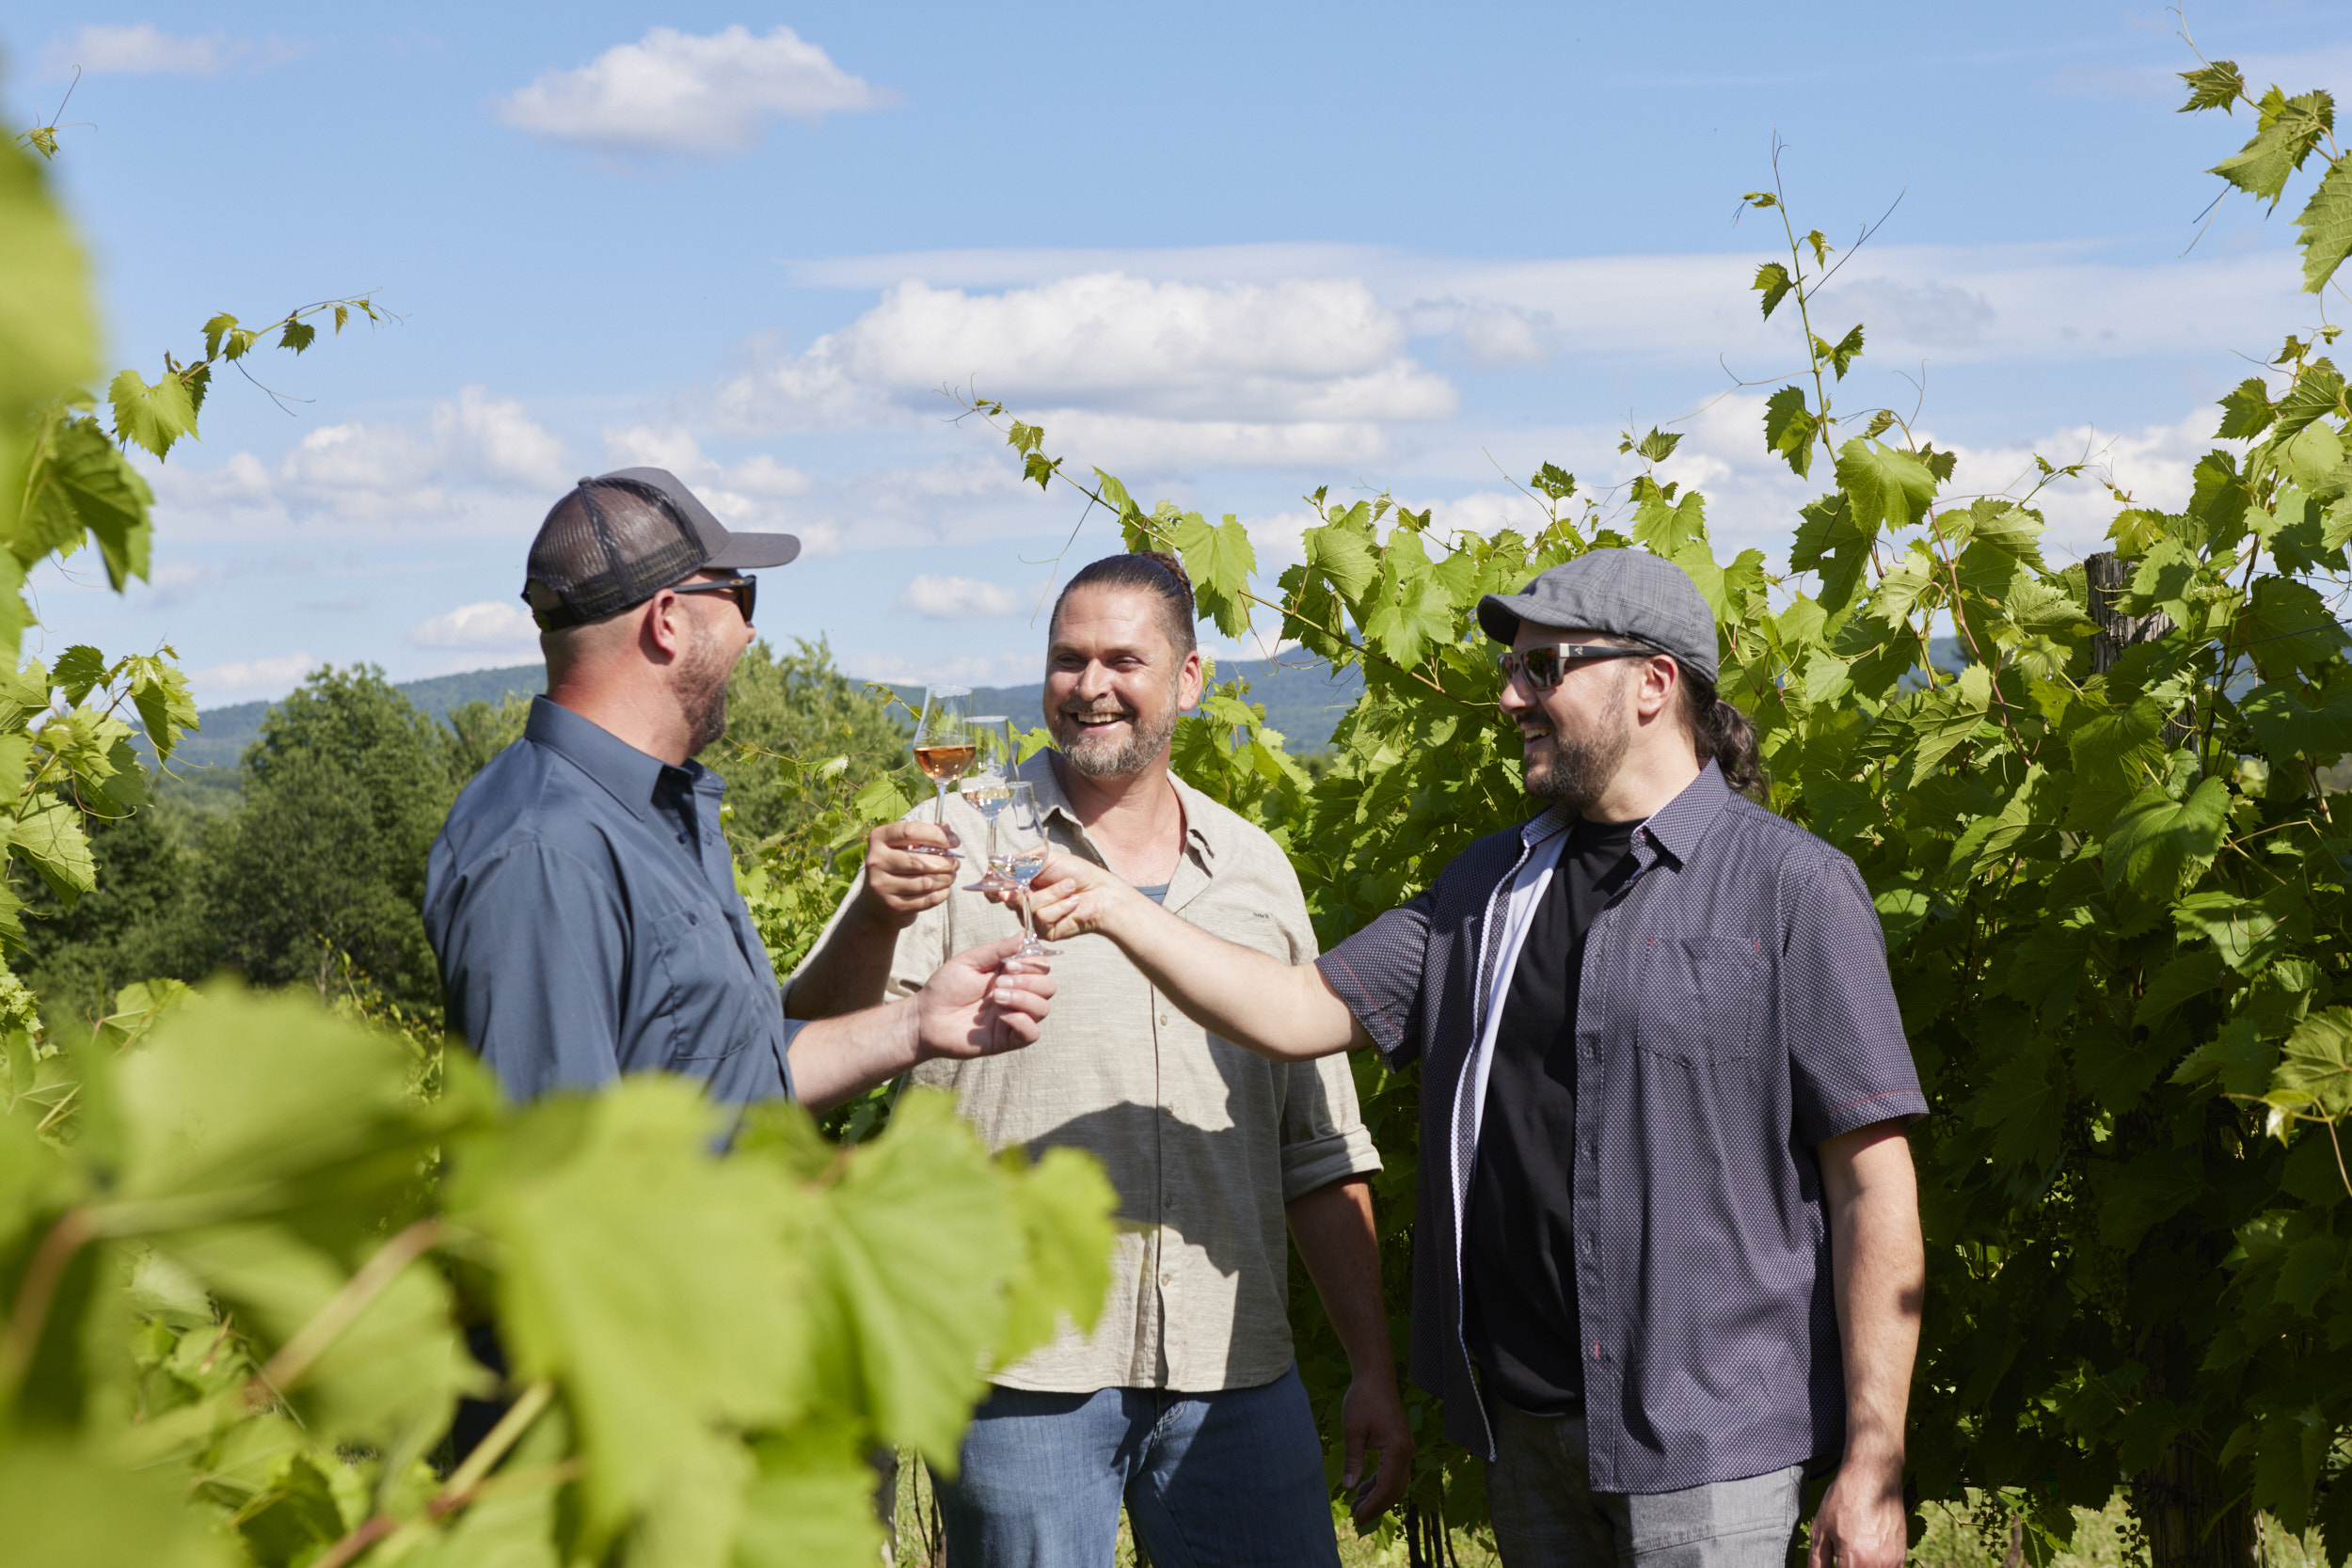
(1955, 1538)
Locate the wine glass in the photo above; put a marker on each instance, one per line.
(998, 749)
(942, 749)
(1018, 836)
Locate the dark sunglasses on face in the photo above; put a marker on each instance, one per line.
(1544, 666)
(742, 587)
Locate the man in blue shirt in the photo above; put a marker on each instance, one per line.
(581, 898)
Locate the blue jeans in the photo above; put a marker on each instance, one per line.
(1210, 1480)
(1546, 1516)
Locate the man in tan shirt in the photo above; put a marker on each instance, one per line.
(1184, 1403)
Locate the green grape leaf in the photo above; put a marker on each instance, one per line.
(2325, 221)
(2247, 933)
(2315, 1068)
(2218, 85)
(2287, 629)
(165, 707)
(78, 669)
(1828, 541)
(86, 484)
(2156, 840)
(48, 834)
(1774, 282)
(811, 1505)
(1840, 355)
(2189, 975)
(297, 336)
(1219, 559)
(2291, 127)
(2114, 753)
(2317, 392)
(909, 1253)
(1790, 427)
(216, 329)
(2149, 1190)
(2237, 1057)
(1888, 487)
(1345, 559)
(1666, 529)
(2312, 456)
(651, 1280)
(1657, 446)
(2244, 410)
(1554, 482)
(65, 1509)
(152, 417)
(397, 1368)
(48, 331)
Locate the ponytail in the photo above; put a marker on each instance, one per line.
(1723, 735)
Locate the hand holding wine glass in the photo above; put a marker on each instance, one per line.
(944, 748)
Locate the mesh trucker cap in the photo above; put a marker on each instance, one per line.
(620, 538)
(1624, 592)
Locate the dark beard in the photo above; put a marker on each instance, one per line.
(702, 693)
(1581, 769)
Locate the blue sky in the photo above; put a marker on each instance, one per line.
(1230, 253)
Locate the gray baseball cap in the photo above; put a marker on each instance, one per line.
(592, 559)
(1623, 593)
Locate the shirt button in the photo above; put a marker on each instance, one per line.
(692, 919)
(681, 838)
(1167, 1279)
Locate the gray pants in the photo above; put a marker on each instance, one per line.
(1546, 1516)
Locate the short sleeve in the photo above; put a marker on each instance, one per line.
(1378, 974)
(532, 964)
(1848, 1061)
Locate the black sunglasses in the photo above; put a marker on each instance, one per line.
(742, 586)
(1544, 666)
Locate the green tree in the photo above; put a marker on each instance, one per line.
(795, 705)
(145, 919)
(344, 791)
(479, 731)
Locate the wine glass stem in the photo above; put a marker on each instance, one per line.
(939, 809)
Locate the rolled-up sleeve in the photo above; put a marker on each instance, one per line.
(1377, 973)
(1848, 1061)
(531, 958)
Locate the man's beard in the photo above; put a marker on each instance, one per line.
(1100, 757)
(702, 693)
(1580, 768)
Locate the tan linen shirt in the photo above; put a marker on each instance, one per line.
(1205, 1142)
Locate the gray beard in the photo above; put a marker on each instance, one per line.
(1101, 759)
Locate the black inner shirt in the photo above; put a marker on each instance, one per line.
(1519, 1263)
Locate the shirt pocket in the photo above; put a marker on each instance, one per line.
(1701, 999)
(707, 987)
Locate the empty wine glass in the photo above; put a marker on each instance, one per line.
(1019, 838)
(942, 749)
(990, 787)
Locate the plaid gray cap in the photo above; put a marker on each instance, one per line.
(1622, 593)
(620, 538)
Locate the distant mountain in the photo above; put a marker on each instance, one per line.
(1302, 696)
(206, 758)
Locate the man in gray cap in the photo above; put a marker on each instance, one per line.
(1667, 1252)
(581, 898)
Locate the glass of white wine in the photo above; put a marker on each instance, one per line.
(1018, 838)
(942, 749)
(997, 758)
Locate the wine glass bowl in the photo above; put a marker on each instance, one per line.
(944, 748)
(989, 788)
(1018, 836)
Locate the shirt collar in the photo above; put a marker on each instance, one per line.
(1678, 826)
(1674, 827)
(1051, 802)
(628, 775)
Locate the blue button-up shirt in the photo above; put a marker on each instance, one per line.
(1733, 1011)
(582, 904)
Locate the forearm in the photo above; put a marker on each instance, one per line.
(1880, 1285)
(1278, 1011)
(1332, 1227)
(836, 1058)
(849, 969)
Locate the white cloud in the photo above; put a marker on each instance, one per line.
(491, 623)
(252, 677)
(142, 49)
(674, 92)
(938, 599)
(1170, 374)
(175, 582)
(469, 450)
